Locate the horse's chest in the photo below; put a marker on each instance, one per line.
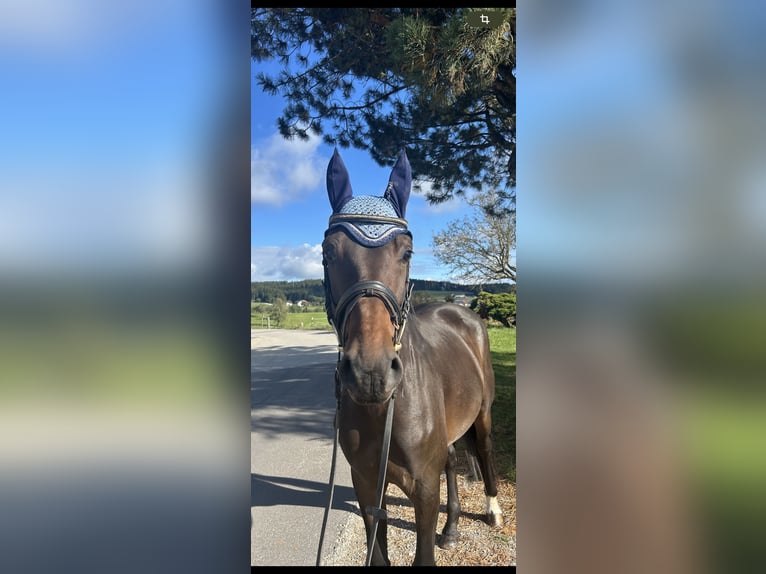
(413, 441)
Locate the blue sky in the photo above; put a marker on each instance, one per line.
(106, 111)
(289, 205)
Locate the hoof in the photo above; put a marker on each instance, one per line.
(495, 520)
(447, 541)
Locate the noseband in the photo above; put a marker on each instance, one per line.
(337, 313)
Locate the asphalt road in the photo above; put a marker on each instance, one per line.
(292, 408)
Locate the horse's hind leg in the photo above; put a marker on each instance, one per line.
(480, 435)
(449, 533)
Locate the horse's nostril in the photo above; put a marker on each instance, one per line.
(396, 364)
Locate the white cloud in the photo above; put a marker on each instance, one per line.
(286, 263)
(305, 262)
(282, 171)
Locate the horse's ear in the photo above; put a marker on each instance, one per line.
(338, 182)
(400, 184)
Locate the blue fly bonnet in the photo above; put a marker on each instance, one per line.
(370, 221)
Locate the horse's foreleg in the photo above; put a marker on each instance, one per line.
(425, 499)
(485, 452)
(366, 496)
(449, 533)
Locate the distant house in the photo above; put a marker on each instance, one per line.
(462, 299)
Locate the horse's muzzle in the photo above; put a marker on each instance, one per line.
(370, 381)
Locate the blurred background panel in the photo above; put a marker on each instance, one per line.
(123, 291)
(124, 296)
(641, 314)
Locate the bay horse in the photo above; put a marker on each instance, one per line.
(433, 360)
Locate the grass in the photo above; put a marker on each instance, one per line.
(314, 318)
(724, 433)
(306, 321)
(502, 342)
(94, 363)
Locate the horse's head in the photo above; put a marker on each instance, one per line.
(366, 256)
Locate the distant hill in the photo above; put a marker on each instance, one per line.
(312, 290)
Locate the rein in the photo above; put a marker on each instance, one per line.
(377, 512)
(337, 314)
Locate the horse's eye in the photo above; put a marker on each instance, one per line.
(328, 254)
(407, 256)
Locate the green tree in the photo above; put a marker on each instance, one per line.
(379, 79)
(499, 307)
(479, 248)
(279, 312)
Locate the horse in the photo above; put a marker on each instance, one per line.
(433, 360)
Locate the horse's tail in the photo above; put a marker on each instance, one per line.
(470, 441)
(472, 454)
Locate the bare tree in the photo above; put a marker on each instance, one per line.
(479, 248)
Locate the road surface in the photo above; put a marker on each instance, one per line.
(292, 407)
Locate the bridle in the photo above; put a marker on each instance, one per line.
(337, 313)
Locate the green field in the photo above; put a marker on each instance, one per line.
(313, 318)
(502, 341)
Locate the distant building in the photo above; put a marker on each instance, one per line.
(462, 299)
